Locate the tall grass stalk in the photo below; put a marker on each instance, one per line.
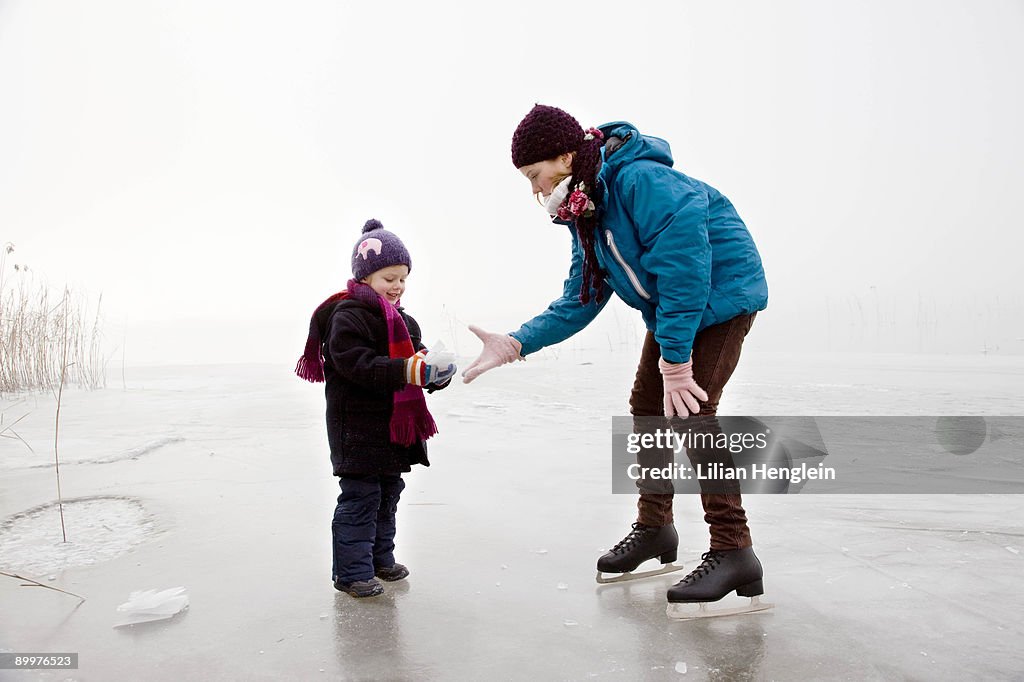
(31, 582)
(56, 424)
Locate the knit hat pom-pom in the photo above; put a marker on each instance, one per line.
(372, 224)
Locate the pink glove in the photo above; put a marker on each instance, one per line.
(681, 391)
(499, 349)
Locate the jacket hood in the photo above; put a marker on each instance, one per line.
(635, 147)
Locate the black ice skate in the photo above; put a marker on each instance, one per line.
(392, 573)
(642, 543)
(360, 588)
(720, 573)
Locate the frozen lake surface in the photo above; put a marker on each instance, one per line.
(217, 479)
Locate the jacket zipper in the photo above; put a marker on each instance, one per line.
(629, 272)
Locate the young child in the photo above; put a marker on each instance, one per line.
(368, 350)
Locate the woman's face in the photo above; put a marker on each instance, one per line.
(544, 176)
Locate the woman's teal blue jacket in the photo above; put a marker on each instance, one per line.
(673, 248)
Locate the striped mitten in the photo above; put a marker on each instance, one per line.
(418, 372)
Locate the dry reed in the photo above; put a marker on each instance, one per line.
(37, 333)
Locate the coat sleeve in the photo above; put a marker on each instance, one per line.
(566, 315)
(352, 352)
(671, 218)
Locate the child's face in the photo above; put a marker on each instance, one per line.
(389, 282)
(544, 176)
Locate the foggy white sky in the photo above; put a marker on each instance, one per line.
(207, 166)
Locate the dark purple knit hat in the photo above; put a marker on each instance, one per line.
(376, 250)
(543, 134)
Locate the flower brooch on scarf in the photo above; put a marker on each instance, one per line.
(578, 203)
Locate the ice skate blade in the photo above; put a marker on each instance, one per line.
(680, 611)
(629, 575)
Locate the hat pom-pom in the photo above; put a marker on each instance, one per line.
(372, 224)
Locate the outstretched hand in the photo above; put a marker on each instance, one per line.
(499, 349)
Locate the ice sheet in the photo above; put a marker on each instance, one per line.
(501, 535)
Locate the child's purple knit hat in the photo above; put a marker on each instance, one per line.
(376, 250)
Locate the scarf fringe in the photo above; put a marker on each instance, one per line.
(312, 372)
(311, 363)
(409, 430)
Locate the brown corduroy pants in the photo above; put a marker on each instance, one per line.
(716, 352)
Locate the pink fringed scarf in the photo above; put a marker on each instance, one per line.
(410, 419)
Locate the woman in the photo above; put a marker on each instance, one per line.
(675, 249)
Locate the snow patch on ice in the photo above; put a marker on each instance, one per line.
(98, 529)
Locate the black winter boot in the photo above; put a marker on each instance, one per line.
(642, 543)
(392, 573)
(360, 588)
(721, 572)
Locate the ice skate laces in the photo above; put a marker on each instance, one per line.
(709, 561)
(635, 535)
